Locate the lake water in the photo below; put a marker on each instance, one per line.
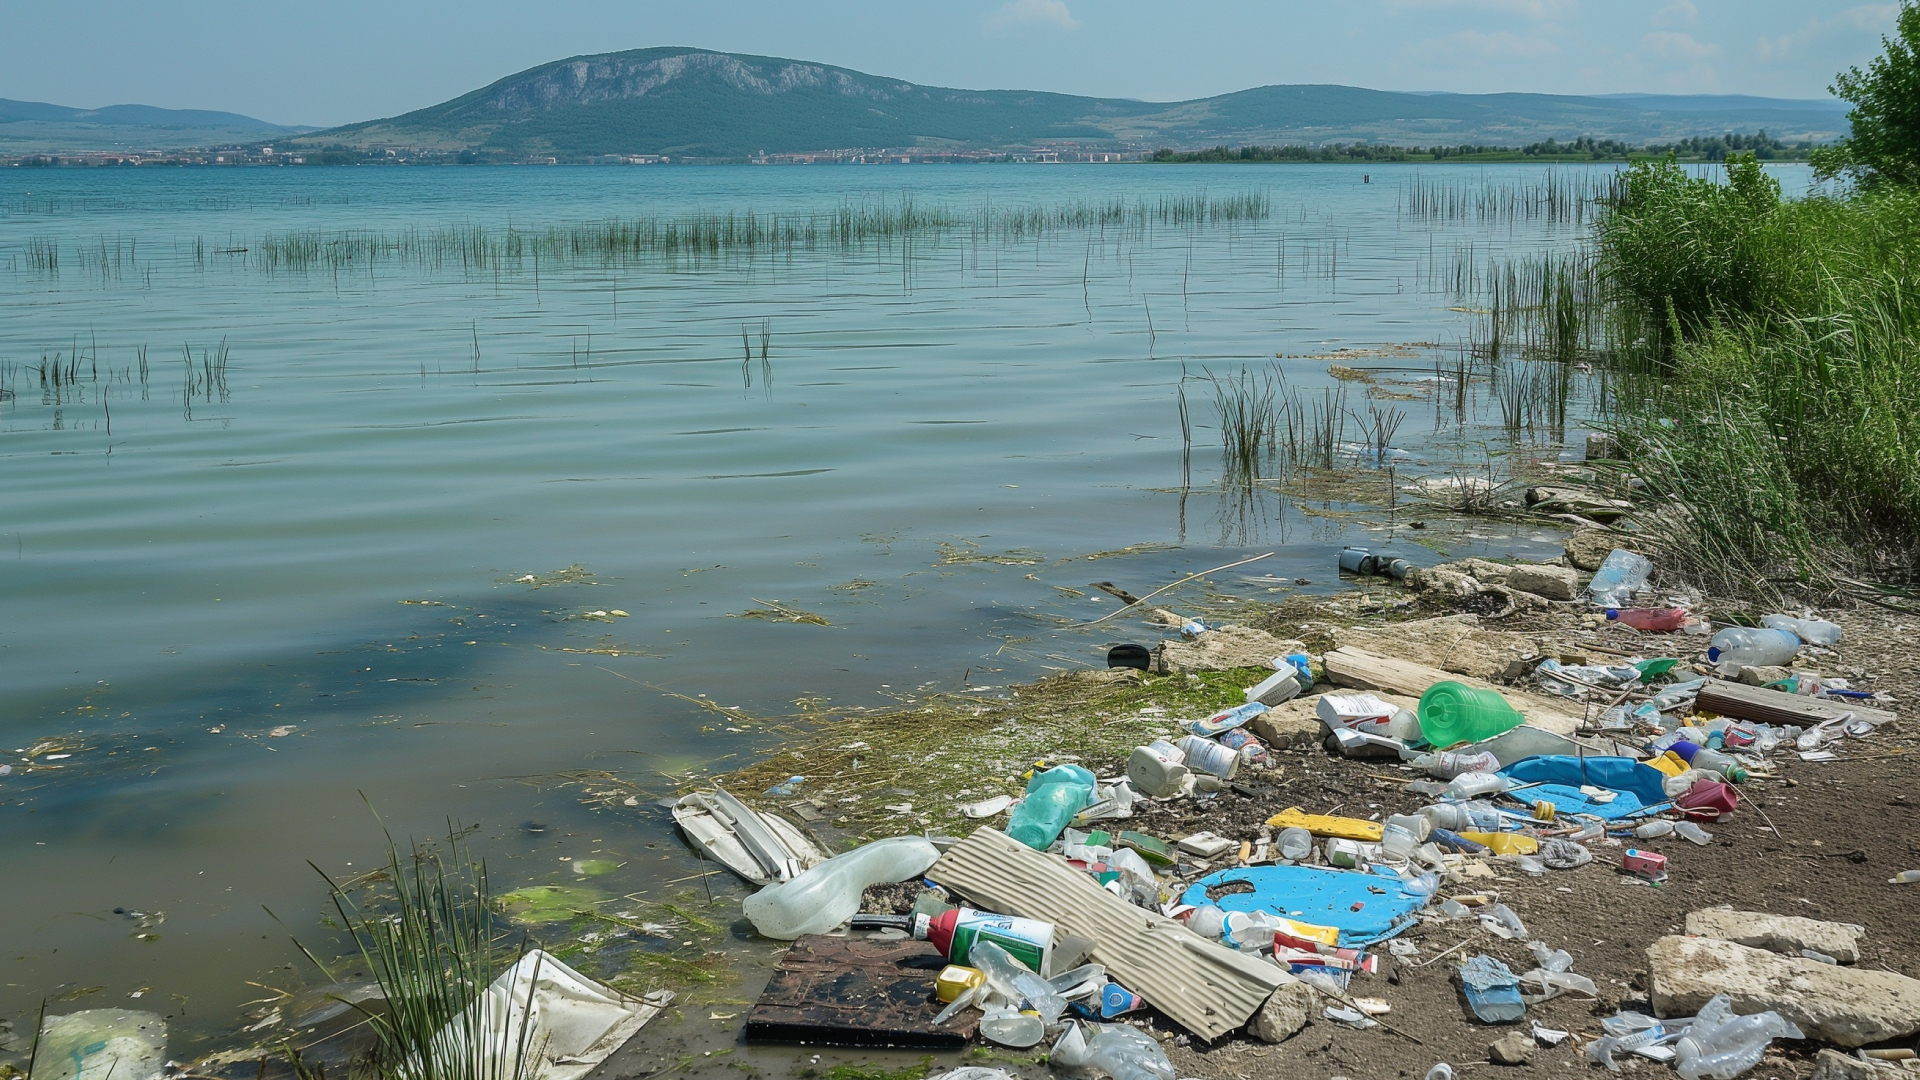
(251, 598)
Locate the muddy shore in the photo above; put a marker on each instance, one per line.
(1813, 839)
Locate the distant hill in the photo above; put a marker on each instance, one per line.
(28, 127)
(696, 103)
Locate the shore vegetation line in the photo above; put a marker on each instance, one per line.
(1763, 354)
(1711, 149)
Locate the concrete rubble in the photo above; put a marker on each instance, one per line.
(1787, 934)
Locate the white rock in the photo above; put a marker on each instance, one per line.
(1840, 1005)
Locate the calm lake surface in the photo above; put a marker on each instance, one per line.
(252, 596)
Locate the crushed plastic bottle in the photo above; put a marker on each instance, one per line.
(828, 894)
(1120, 1051)
(1690, 831)
(1442, 1071)
(1812, 631)
(1619, 577)
(1601, 1050)
(1475, 785)
(1721, 1046)
(1447, 765)
(1501, 920)
(1462, 815)
(1007, 1026)
(1904, 877)
(1549, 958)
(1653, 830)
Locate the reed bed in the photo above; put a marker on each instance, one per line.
(475, 248)
(1565, 197)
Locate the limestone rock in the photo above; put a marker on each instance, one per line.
(1284, 1013)
(1840, 1005)
(1552, 582)
(1779, 933)
(1764, 675)
(1295, 723)
(1454, 643)
(1514, 1049)
(1481, 570)
(1834, 1065)
(1225, 649)
(1442, 586)
(1588, 548)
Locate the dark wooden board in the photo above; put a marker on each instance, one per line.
(857, 991)
(1744, 702)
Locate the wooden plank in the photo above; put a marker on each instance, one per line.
(832, 991)
(1743, 702)
(1362, 670)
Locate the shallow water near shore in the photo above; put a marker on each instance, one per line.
(268, 540)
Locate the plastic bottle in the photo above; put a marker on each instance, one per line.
(1653, 830)
(1724, 1051)
(1653, 620)
(1692, 832)
(1053, 797)
(1397, 843)
(1904, 877)
(1016, 982)
(1462, 815)
(1447, 765)
(1713, 761)
(1550, 959)
(1227, 719)
(1752, 648)
(1207, 921)
(1120, 1051)
(1812, 631)
(1009, 1027)
(1601, 1050)
(1475, 785)
(955, 933)
(829, 894)
(1442, 1071)
(1619, 576)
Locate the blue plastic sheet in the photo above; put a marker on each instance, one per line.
(1561, 777)
(1321, 897)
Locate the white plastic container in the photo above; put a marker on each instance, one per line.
(829, 893)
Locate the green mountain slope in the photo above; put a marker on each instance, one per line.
(696, 103)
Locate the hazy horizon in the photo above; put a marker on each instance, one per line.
(358, 61)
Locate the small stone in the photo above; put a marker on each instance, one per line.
(1834, 1065)
(1285, 1012)
(1763, 675)
(1514, 1049)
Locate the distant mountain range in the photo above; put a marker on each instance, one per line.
(697, 104)
(28, 127)
(693, 103)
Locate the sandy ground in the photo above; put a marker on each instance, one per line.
(1831, 836)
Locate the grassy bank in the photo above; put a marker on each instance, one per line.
(1766, 376)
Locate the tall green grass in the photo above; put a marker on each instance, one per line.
(1766, 377)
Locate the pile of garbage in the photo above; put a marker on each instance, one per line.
(1057, 926)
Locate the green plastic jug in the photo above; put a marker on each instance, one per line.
(1452, 712)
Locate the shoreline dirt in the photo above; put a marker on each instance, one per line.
(1843, 828)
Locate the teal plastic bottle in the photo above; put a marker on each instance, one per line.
(1053, 797)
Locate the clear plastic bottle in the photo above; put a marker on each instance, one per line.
(1602, 1050)
(1456, 816)
(1053, 797)
(829, 894)
(1653, 830)
(1752, 648)
(1120, 1051)
(1619, 577)
(1713, 761)
(1015, 982)
(1447, 765)
(1812, 631)
(1724, 1051)
(1551, 959)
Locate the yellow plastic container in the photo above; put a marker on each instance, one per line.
(1670, 763)
(1322, 825)
(1505, 843)
(1325, 935)
(955, 980)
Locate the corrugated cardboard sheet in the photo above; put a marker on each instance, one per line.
(1207, 988)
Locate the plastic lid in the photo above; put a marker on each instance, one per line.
(1613, 613)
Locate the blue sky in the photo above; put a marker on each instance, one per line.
(345, 60)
